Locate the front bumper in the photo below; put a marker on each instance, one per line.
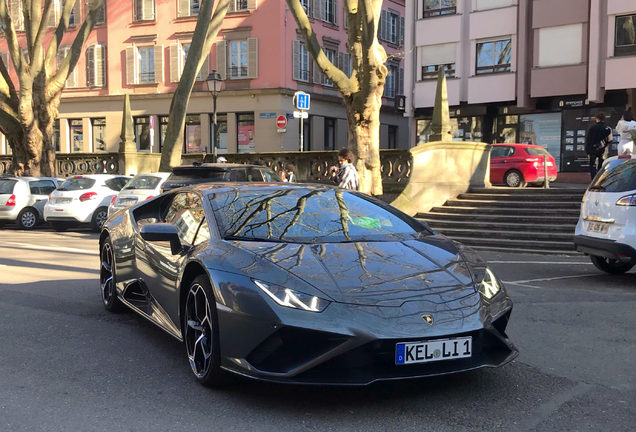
(605, 248)
(356, 345)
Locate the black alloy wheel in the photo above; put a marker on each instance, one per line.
(610, 266)
(27, 219)
(201, 332)
(99, 219)
(107, 278)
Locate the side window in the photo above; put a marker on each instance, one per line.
(46, 187)
(186, 213)
(269, 177)
(34, 187)
(254, 175)
(203, 234)
(238, 175)
(115, 184)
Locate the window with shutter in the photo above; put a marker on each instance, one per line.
(175, 62)
(389, 86)
(100, 66)
(300, 62)
(146, 60)
(344, 63)
(251, 5)
(239, 5)
(54, 15)
(15, 11)
(221, 58)
(158, 60)
(144, 10)
(317, 8)
(182, 52)
(332, 56)
(330, 11)
(305, 5)
(188, 8)
(318, 76)
(132, 75)
(238, 64)
(100, 13)
(252, 58)
(400, 90)
(401, 42)
(76, 13)
(90, 66)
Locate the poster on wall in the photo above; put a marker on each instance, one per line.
(581, 120)
(543, 130)
(246, 142)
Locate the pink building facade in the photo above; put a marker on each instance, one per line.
(139, 49)
(533, 71)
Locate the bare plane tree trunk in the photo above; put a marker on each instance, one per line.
(362, 92)
(202, 40)
(27, 115)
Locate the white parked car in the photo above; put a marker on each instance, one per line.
(140, 188)
(22, 199)
(83, 199)
(607, 227)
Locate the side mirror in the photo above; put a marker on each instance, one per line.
(162, 232)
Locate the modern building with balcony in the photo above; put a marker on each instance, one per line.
(532, 71)
(139, 48)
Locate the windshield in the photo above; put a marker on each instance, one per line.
(307, 216)
(76, 183)
(535, 151)
(6, 186)
(618, 175)
(143, 182)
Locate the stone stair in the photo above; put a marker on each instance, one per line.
(526, 220)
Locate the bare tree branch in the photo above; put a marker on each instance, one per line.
(11, 37)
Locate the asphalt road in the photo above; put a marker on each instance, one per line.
(68, 365)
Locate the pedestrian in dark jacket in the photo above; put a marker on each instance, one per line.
(599, 137)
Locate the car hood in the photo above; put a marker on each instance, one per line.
(375, 273)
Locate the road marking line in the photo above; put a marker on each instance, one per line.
(51, 248)
(550, 279)
(539, 262)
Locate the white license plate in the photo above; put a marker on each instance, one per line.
(128, 201)
(550, 164)
(63, 200)
(435, 350)
(598, 227)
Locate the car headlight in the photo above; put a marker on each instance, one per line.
(292, 298)
(489, 286)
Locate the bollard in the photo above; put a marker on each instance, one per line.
(546, 181)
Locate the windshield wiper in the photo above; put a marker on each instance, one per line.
(130, 187)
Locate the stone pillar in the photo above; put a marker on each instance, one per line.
(3, 144)
(127, 144)
(232, 138)
(441, 117)
(87, 131)
(65, 136)
(206, 136)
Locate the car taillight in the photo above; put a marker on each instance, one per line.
(629, 200)
(87, 196)
(112, 202)
(625, 157)
(11, 201)
(149, 197)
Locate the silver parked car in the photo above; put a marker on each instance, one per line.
(22, 199)
(140, 188)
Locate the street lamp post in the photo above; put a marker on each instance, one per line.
(214, 82)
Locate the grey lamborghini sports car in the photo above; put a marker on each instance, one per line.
(303, 284)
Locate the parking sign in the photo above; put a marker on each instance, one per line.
(302, 101)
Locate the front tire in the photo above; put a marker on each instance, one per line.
(201, 333)
(610, 266)
(514, 179)
(27, 219)
(99, 218)
(107, 278)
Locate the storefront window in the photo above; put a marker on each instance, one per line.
(77, 135)
(246, 133)
(507, 129)
(142, 133)
(192, 139)
(221, 132)
(330, 133)
(99, 134)
(462, 129)
(163, 124)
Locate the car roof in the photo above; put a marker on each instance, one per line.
(12, 177)
(517, 145)
(98, 176)
(163, 175)
(219, 166)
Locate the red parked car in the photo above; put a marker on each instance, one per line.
(517, 165)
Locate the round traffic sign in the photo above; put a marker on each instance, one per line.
(281, 121)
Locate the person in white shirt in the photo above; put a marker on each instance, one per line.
(346, 175)
(624, 126)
